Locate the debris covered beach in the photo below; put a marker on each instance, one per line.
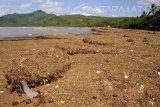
(111, 68)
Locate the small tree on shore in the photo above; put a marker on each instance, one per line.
(153, 10)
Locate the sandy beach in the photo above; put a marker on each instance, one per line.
(111, 68)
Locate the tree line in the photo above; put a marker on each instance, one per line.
(148, 20)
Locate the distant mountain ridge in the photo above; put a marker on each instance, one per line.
(40, 18)
(30, 19)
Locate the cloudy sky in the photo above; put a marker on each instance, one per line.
(111, 8)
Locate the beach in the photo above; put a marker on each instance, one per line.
(110, 68)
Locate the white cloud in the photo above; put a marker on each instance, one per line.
(2, 13)
(39, 1)
(87, 10)
(157, 2)
(4, 8)
(25, 6)
(49, 6)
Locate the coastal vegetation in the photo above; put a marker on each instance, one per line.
(147, 20)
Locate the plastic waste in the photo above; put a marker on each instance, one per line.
(62, 102)
(98, 72)
(28, 91)
(1, 92)
(151, 102)
(141, 88)
(126, 76)
(109, 83)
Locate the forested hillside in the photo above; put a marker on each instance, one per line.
(147, 20)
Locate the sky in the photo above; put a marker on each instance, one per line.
(107, 8)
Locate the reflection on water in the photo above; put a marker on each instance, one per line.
(31, 32)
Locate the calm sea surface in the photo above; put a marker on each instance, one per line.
(31, 32)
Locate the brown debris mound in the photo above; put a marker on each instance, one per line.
(95, 42)
(89, 51)
(82, 51)
(36, 67)
(86, 50)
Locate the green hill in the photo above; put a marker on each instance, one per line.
(148, 20)
(31, 19)
(80, 21)
(40, 18)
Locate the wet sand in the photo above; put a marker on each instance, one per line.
(111, 68)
